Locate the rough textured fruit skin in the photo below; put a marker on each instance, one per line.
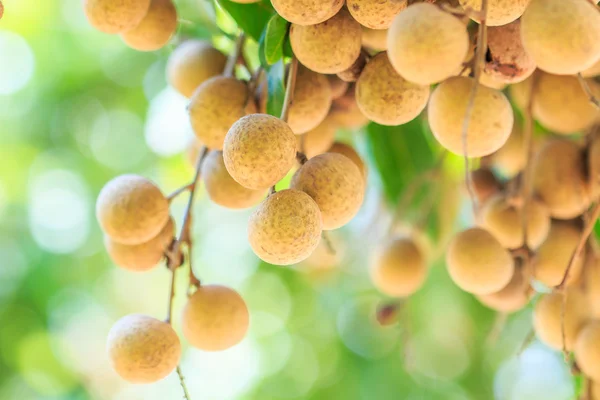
(222, 188)
(491, 119)
(561, 35)
(387, 98)
(192, 63)
(375, 39)
(547, 321)
(328, 47)
(346, 112)
(553, 255)
(349, 151)
(375, 14)
(398, 268)
(485, 184)
(593, 166)
(427, 45)
(156, 29)
(336, 185)
(319, 140)
(510, 159)
(513, 297)
(500, 12)
(143, 349)
(587, 350)
(307, 12)
(559, 178)
(312, 100)
(215, 106)
(215, 318)
(259, 151)
(286, 228)
(478, 263)
(115, 16)
(131, 209)
(338, 86)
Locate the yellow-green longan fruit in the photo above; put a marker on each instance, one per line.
(561, 35)
(478, 263)
(346, 112)
(215, 106)
(335, 183)
(215, 318)
(286, 228)
(312, 100)
(143, 349)
(259, 151)
(156, 29)
(513, 297)
(375, 14)
(349, 151)
(222, 188)
(500, 12)
(427, 45)
(328, 47)
(318, 140)
(387, 98)
(374, 39)
(115, 16)
(510, 159)
(307, 12)
(398, 268)
(192, 63)
(587, 350)
(338, 86)
(131, 209)
(491, 118)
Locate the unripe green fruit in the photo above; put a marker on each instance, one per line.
(115, 16)
(307, 12)
(156, 29)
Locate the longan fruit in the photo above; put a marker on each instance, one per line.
(215, 318)
(587, 350)
(215, 106)
(511, 158)
(513, 297)
(335, 183)
(115, 16)
(561, 35)
(558, 174)
(328, 47)
(375, 14)
(547, 318)
(489, 80)
(485, 184)
(192, 63)
(478, 263)
(318, 140)
(259, 151)
(222, 188)
(353, 73)
(491, 118)
(307, 12)
(156, 29)
(591, 72)
(398, 268)
(374, 39)
(312, 100)
(338, 86)
(143, 349)
(350, 152)
(591, 279)
(500, 12)
(552, 257)
(346, 112)
(593, 166)
(286, 228)
(427, 45)
(131, 209)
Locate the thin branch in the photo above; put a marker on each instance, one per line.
(179, 191)
(328, 243)
(588, 90)
(186, 394)
(233, 57)
(563, 330)
(289, 89)
(171, 296)
(253, 82)
(526, 342)
(497, 328)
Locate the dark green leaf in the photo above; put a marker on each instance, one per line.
(287, 47)
(276, 87)
(251, 18)
(276, 33)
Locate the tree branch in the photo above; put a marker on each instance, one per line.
(588, 90)
(233, 57)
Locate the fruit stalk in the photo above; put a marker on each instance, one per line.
(588, 91)
(233, 57)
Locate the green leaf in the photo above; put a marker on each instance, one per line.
(287, 47)
(276, 88)
(251, 18)
(261, 51)
(276, 33)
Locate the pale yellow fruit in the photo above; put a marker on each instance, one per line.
(318, 140)
(349, 151)
(510, 159)
(131, 209)
(286, 228)
(593, 166)
(215, 106)
(485, 184)
(215, 318)
(587, 350)
(595, 390)
(335, 183)
(375, 14)
(387, 98)
(156, 29)
(346, 112)
(312, 100)
(427, 45)
(222, 188)
(547, 318)
(500, 12)
(487, 79)
(591, 279)
(115, 16)
(478, 263)
(513, 297)
(374, 39)
(552, 257)
(353, 73)
(561, 35)
(143, 349)
(338, 86)
(307, 12)
(491, 117)
(328, 47)
(398, 268)
(592, 71)
(192, 63)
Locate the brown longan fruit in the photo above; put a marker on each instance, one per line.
(312, 100)
(338, 86)
(491, 118)
(513, 297)
(374, 39)
(375, 14)
(215, 318)
(286, 228)
(587, 350)
(115, 16)
(143, 349)
(192, 63)
(215, 106)
(335, 183)
(478, 263)
(222, 188)
(259, 151)
(387, 98)
(156, 29)
(318, 140)
(328, 47)
(500, 12)
(346, 112)
(561, 35)
(307, 12)
(426, 44)
(511, 158)
(485, 184)
(349, 151)
(398, 268)
(131, 209)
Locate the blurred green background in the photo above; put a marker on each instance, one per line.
(77, 108)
